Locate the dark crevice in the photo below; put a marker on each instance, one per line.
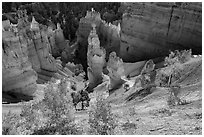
(3, 47)
(172, 9)
(127, 49)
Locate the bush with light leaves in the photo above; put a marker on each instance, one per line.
(101, 119)
(173, 68)
(50, 116)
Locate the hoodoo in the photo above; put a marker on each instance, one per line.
(126, 68)
(95, 59)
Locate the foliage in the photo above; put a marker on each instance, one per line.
(162, 112)
(68, 14)
(171, 101)
(51, 115)
(101, 119)
(178, 57)
(145, 80)
(8, 123)
(172, 72)
(173, 68)
(132, 111)
(175, 60)
(166, 74)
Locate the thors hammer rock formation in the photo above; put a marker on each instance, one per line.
(95, 59)
(108, 35)
(150, 30)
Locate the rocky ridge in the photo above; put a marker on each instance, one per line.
(27, 55)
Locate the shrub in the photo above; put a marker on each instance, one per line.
(8, 123)
(185, 55)
(51, 115)
(172, 72)
(101, 120)
(58, 110)
(171, 101)
(178, 56)
(132, 111)
(168, 75)
(162, 112)
(173, 69)
(174, 63)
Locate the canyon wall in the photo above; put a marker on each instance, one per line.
(43, 43)
(109, 35)
(35, 62)
(150, 30)
(147, 30)
(26, 50)
(36, 49)
(17, 73)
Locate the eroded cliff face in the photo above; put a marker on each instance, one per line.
(150, 30)
(39, 49)
(17, 73)
(35, 61)
(36, 49)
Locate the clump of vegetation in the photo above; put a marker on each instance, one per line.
(9, 121)
(128, 125)
(101, 119)
(146, 77)
(173, 71)
(50, 116)
(178, 56)
(162, 112)
(132, 111)
(173, 98)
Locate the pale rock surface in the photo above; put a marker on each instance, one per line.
(150, 30)
(116, 70)
(6, 25)
(59, 38)
(36, 40)
(95, 59)
(17, 73)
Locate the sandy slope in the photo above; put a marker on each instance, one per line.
(140, 113)
(149, 113)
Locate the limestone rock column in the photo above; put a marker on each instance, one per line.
(95, 58)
